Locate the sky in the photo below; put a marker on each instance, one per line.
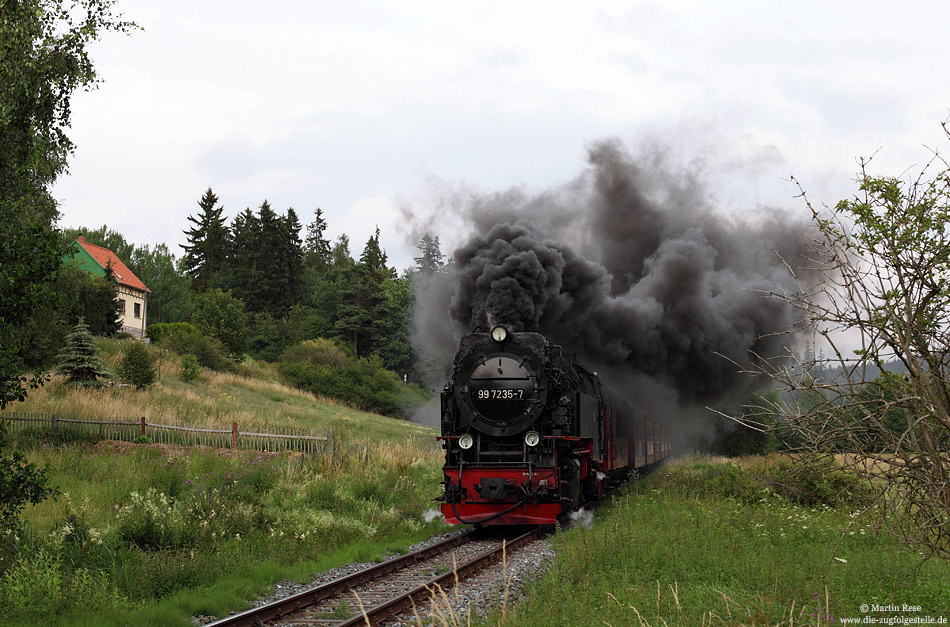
(366, 108)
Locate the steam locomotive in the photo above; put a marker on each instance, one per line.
(530, 434)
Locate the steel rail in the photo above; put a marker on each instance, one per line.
(272, 611)
(406, 601)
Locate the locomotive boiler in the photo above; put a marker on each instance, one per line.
(530, 434)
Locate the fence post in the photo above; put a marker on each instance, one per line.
(142, 432)
(234, 435)
(55, 422)
(330, 442)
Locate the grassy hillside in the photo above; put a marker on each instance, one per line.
(254, 397)
(149, 534)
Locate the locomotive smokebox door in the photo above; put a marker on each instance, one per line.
(493, 488)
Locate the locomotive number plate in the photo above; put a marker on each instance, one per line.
(499, 395)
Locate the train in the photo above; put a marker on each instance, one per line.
(530, 434)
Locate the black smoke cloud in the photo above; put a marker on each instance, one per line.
(632, 267)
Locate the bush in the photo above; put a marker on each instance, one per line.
(363, 383)
(807, 484)
(821, 482)
(136, 367)
(318, 352)
(21, 482)
(185, 339)
(190, 369)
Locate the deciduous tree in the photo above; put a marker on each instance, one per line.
(44, 59)
(220, 315)
(885, 295)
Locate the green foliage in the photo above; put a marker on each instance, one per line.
(316, 246)
(820, 483)
(363, 383)
(43, 44)
(431, 260)
(267, 337)
(137, 366)
(753, 434)
(660, 556)
(209, 243)
(171, 299)
(21, 482)
(886, 288)
(809, 485)
(220, 315)
(185, 339)
(306, 323)
(166, 332)
(317, 352)
(267, 259)
(190, 368)
(39, 587)
(79, 361)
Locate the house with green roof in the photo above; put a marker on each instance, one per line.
(133, 294)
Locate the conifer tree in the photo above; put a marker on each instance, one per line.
(374, 257)
(291, 259)
(341, 252)
(431, 259)
(245, 230)
(79, 361)
(360, 302)
(209, 242)
(317, 252)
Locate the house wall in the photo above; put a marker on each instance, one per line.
(131, 323)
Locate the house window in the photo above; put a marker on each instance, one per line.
(122, 306)
(138, 309)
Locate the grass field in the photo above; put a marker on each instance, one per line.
(147, 534)
(152, 535)
(708, 542)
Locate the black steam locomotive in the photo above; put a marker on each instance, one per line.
(529, 433)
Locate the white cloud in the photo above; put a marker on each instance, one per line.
(353, 106)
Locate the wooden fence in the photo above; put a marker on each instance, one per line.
(128, 431)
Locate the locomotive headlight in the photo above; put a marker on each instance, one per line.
(531, 438)
(499, 334)
(466, 441)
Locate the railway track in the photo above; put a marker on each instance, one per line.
(386, 590)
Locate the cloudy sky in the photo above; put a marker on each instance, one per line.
(364, 107)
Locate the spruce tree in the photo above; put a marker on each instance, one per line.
(245, 230)
(317, 252)
(79, 360)
(291, 260)
(374, 257)
(340, 254)
(267, 293)
(209, 242)
(360, 301)
(431, 259)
